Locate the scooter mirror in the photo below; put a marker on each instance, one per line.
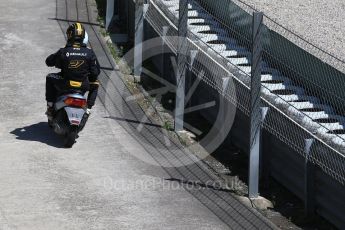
(86, 39)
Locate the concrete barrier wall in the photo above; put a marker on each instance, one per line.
(284, 163)
(305, 69)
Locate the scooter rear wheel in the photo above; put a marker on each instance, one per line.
(50, 123)
(70, 137)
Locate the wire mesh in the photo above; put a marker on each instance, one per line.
(301, 105)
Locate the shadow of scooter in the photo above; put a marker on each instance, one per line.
(39, 132)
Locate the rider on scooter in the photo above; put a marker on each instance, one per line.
(79, 69)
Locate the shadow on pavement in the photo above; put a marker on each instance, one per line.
(73, 21)
(39, 132)
(133, 121)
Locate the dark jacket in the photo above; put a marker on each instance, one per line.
(78, 63)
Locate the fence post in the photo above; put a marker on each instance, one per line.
(164, 62)
(189, 79)
(110, 13)
(140, 11)
(181, 65)
(256, 114)
(266, 157)
(309, 167)
(223, 105)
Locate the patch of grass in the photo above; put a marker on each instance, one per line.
(101, 21)
(114, 52)
(104, 33)
(168, 126)
(117, 53)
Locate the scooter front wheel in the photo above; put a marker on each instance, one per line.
(70, 137)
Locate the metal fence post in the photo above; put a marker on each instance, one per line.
(181, 65)
(140, 11)
(189, 79)
(266, 158)
(256, 114)
(309, 203)
(110, 13)
(223, 104)
(164, 62)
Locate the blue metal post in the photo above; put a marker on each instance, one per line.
(309, 187)
(256, 113)
(140, 12)
(110, 13)
(181, 65)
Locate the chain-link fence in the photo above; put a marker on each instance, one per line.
(301, 84)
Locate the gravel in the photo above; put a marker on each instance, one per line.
(319, 21)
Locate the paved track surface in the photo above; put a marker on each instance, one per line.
(98, 184)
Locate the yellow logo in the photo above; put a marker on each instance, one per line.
(75, 64)
(76, 84)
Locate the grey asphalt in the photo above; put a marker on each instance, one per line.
(101, 183)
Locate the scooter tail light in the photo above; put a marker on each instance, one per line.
(75, 102)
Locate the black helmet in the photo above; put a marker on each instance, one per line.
(76, 32)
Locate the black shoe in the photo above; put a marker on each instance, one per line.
(50, 112)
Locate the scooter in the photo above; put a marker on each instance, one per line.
(69, 117)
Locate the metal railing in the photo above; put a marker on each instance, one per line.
(300, 108)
